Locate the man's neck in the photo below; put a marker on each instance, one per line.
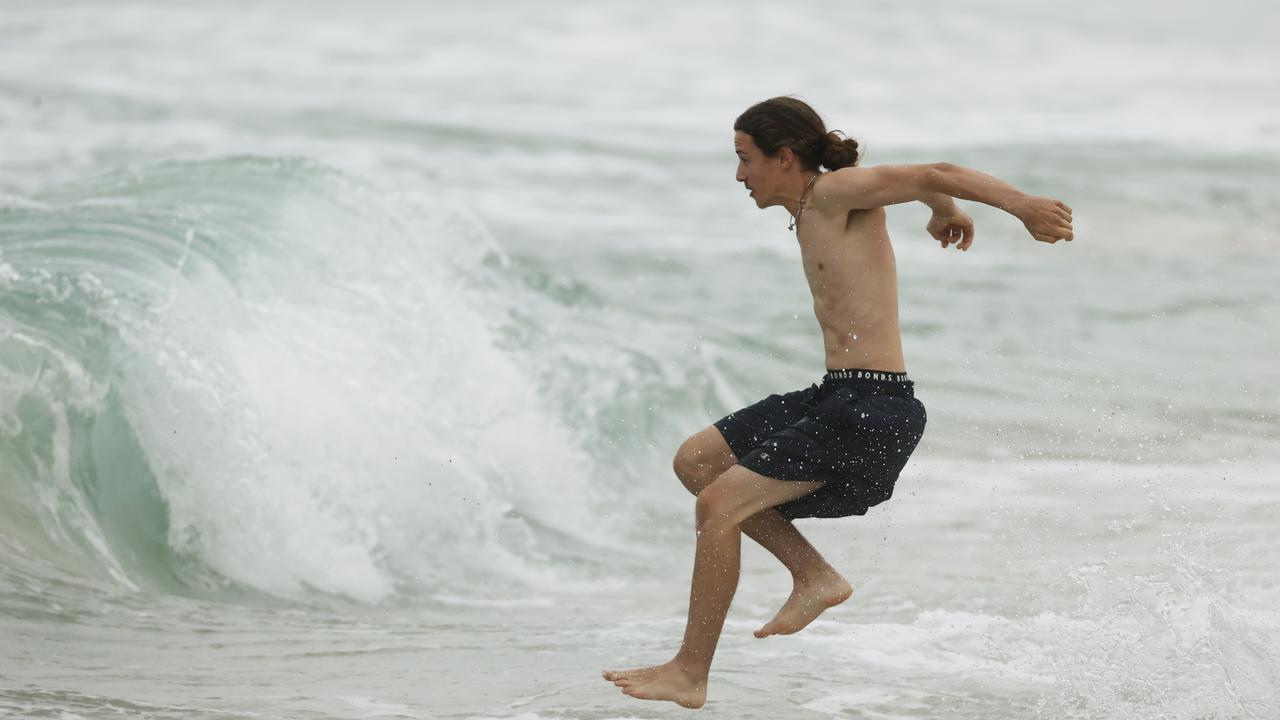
(798, 187)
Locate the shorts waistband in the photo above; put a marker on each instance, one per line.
(865, 375)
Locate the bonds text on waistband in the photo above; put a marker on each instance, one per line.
(860, 374)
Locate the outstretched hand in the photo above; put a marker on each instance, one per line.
(1047, 220)
(953, 226)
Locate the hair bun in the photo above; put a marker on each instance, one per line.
(838, 151)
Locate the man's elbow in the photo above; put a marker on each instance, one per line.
(936, 177)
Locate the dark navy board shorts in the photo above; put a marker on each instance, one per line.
(854, 432)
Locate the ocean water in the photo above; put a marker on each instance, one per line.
(344, 351)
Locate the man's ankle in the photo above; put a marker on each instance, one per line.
(810, 574)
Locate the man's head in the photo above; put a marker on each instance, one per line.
(781, 140)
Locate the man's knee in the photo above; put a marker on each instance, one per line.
(701, 458)
(688, 466)
(714, 506)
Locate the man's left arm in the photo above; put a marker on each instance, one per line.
(859, 188)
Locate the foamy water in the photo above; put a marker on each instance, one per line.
(343, 353)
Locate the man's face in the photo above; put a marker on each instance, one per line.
(755, 170)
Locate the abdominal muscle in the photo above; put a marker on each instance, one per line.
(869, 346)
(853, 277)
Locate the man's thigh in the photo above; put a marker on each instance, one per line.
(740, 493)
(702, 458)
(710, 446)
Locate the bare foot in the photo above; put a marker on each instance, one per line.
(808, 600)
(668, 681)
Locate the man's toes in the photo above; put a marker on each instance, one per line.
(634, 673)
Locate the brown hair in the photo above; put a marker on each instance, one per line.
(787, 122)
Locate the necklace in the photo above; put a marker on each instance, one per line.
(800, 204)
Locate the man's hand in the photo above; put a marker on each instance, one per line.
(1047, 220)
(951, 226)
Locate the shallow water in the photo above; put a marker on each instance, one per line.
(343, 353)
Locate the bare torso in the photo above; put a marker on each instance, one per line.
(848, 261)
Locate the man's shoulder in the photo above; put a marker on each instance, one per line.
(851, 173)
(830, 189)
(831, 186)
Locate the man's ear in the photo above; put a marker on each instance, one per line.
(786, 157)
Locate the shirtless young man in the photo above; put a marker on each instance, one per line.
(834, 449)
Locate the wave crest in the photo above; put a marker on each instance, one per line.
(264, 373)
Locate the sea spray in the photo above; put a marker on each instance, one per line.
(302, 374)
